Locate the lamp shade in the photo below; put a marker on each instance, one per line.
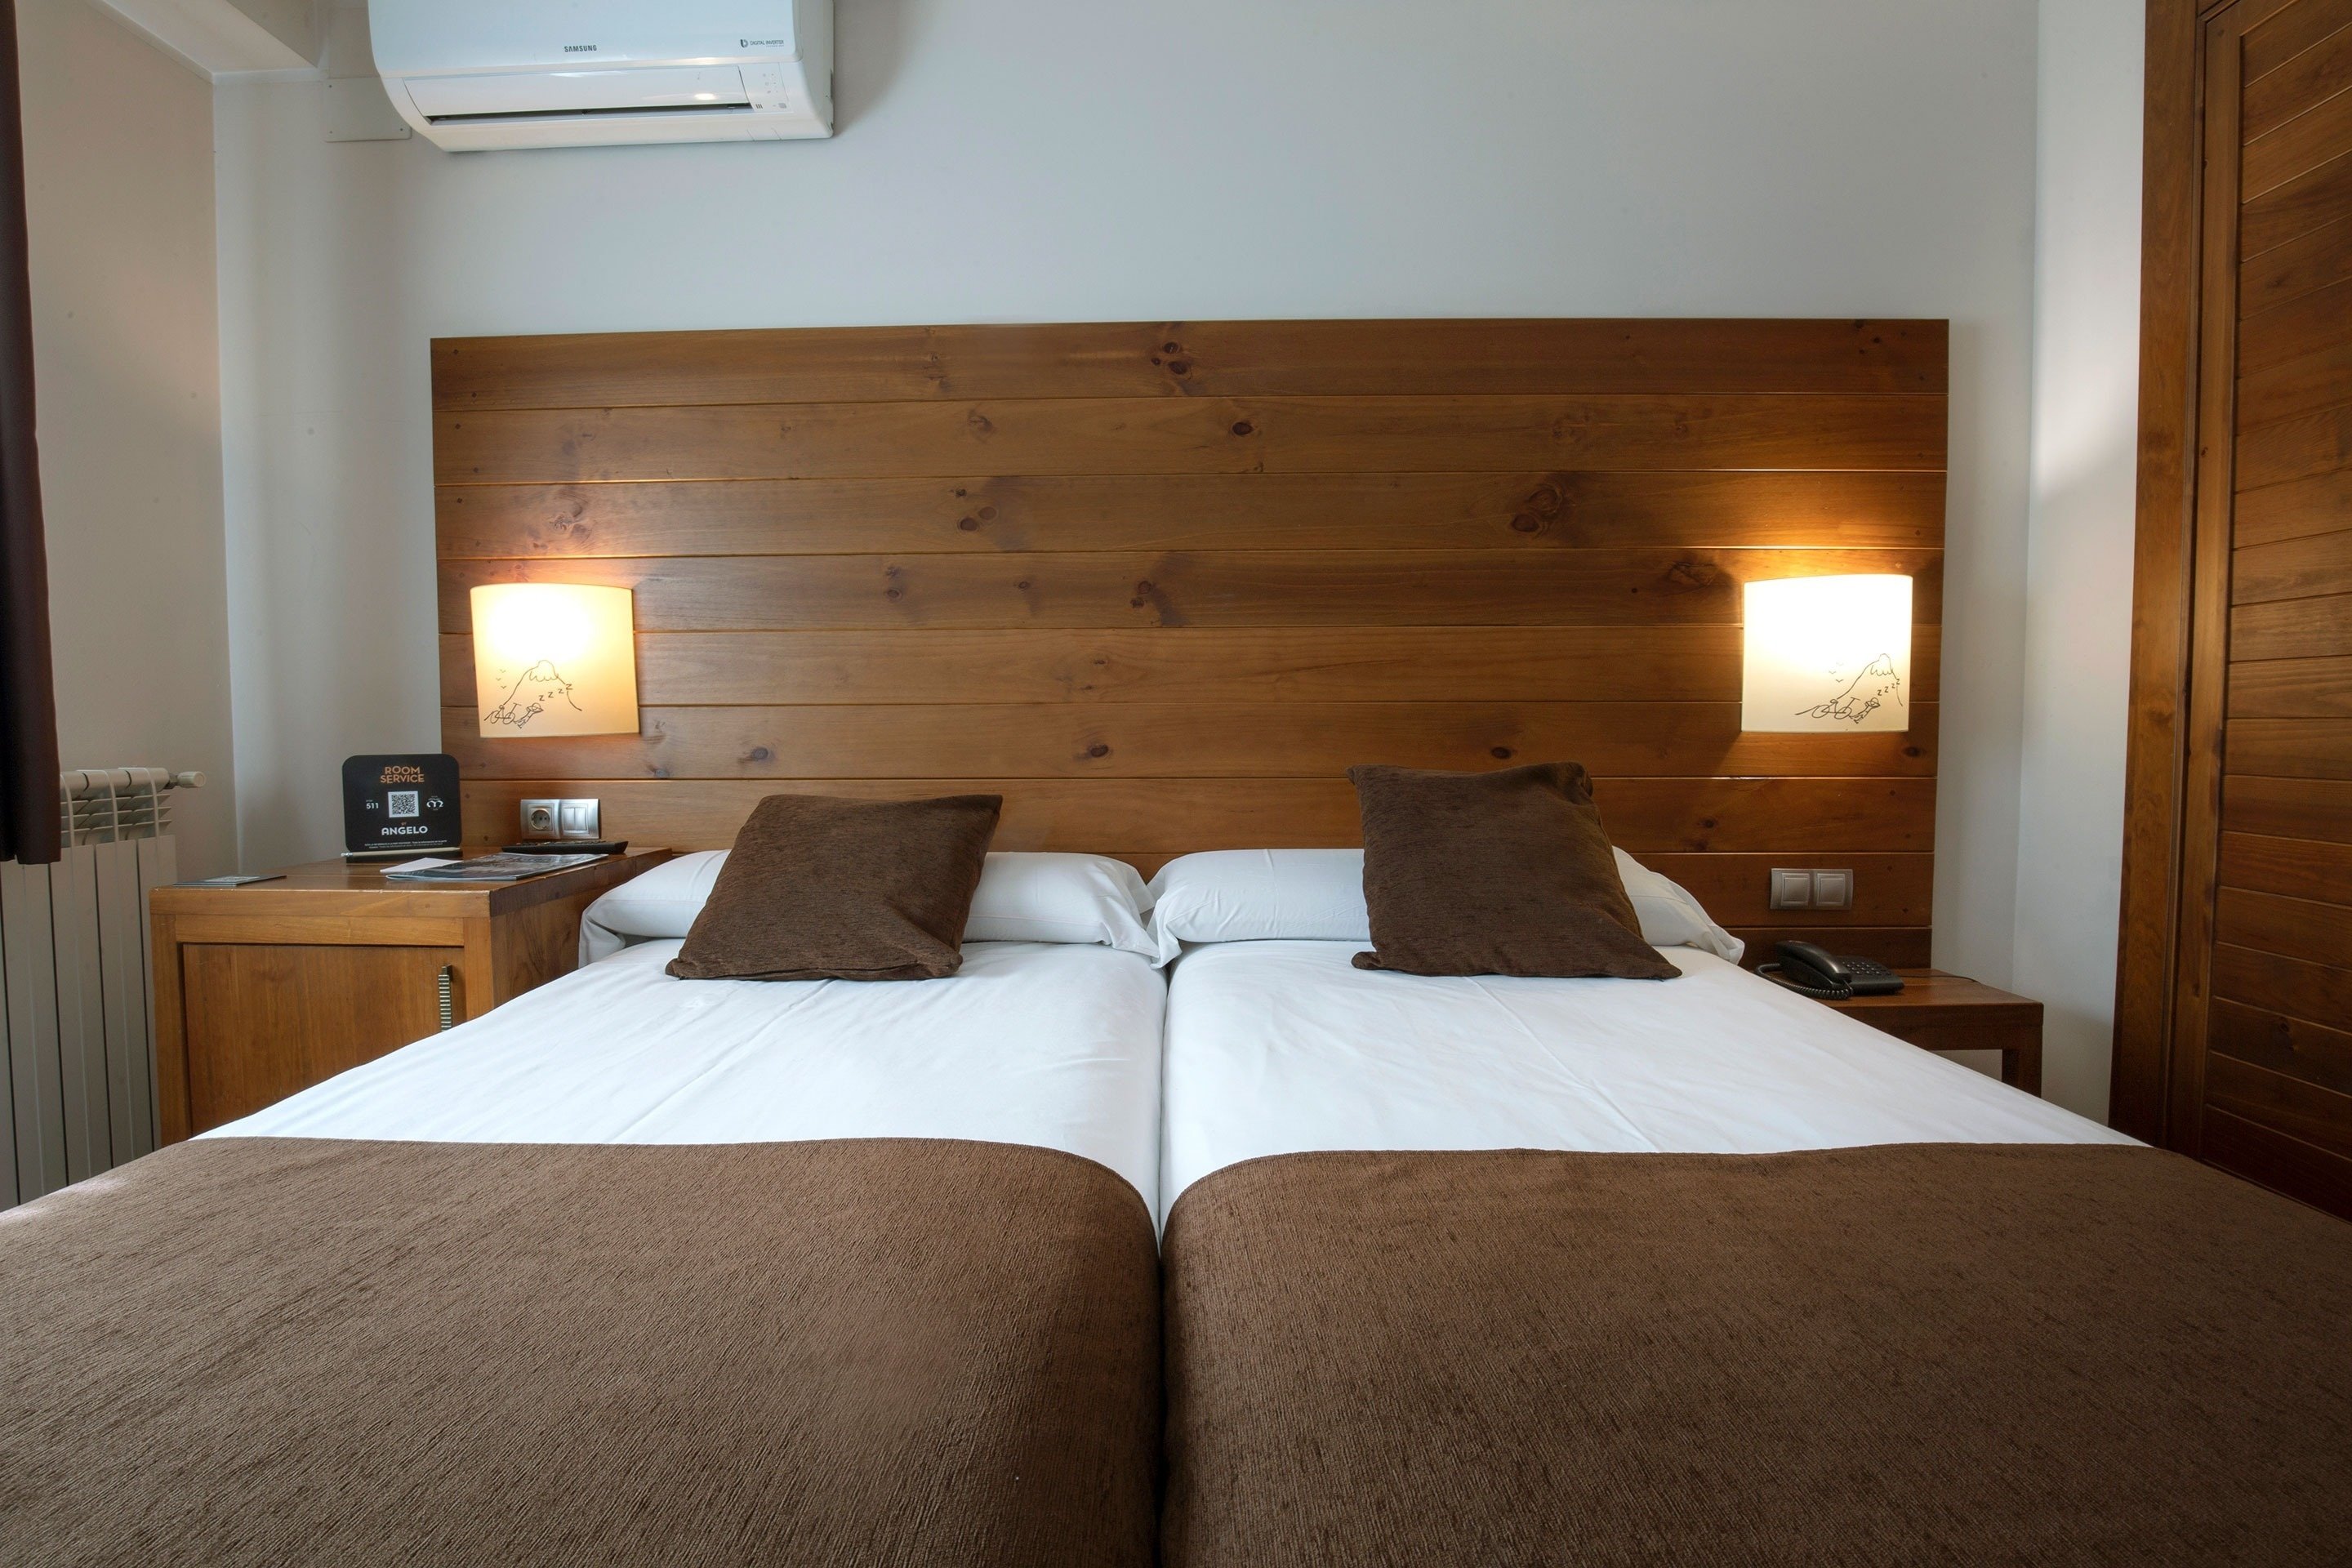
(554, 658)
(1827, 654)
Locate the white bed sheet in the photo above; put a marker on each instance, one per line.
(1051, 1045)
(1278, 1048)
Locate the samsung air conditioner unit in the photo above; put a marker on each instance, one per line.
(472, 75)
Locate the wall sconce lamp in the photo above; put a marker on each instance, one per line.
(1827, 654)
(554, 658)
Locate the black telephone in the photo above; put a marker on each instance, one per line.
(1806, 968)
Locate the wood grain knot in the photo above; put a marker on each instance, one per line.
(1243, 427)
(987, 514)
(968, 524)
(1099, 750)
(1523, 523)
(1180, 367)
(1501, 754)
(1690, 576)
(761, 755)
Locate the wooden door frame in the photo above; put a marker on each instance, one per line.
(2155, 775)
(2180, 584)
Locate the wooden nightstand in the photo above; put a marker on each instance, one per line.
(266, 989)
(1940, 1012)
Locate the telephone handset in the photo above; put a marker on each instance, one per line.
(1805, 968)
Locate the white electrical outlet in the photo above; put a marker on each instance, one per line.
(541, 820)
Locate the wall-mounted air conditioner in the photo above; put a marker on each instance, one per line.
(473, 75)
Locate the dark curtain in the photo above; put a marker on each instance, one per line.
(28, 703)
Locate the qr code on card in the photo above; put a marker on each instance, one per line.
(400, 802)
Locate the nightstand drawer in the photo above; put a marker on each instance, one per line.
(299, 1015)
(266, 989)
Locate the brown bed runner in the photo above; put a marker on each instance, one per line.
(1936, 1353)
(265, 1351)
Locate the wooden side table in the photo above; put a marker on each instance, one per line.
(266, 989)
(1940, 1012)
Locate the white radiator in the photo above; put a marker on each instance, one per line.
(79, 1037)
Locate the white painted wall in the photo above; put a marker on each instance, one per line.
(118, 155)
(211, 37)
(2078, 605)
(1064, 159)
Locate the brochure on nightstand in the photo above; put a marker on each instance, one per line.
(487, 868)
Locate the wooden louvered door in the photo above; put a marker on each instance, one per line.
(2261, 1079)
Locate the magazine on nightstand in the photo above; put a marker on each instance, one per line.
(488, 867)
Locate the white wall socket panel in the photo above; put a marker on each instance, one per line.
(561, 819)
(1794, 888)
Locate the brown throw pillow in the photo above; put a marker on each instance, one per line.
(821, 889)
(1498, 873)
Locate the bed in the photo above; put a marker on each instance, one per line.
(633, 1269)
(1606, 1272)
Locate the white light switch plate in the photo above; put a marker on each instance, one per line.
(1797, 889)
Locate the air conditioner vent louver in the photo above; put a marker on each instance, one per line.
(510, 116)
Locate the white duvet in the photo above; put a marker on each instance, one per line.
(1051, 1045)
(1278, 1048)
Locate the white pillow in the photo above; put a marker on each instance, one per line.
(1081, 899)
(661, 902)
(1317, 895)
(1670, 917)
(1259, 895)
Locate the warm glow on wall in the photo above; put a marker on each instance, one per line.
(1827, 654)
(554, 658)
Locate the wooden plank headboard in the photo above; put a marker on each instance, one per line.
(1161, 584)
